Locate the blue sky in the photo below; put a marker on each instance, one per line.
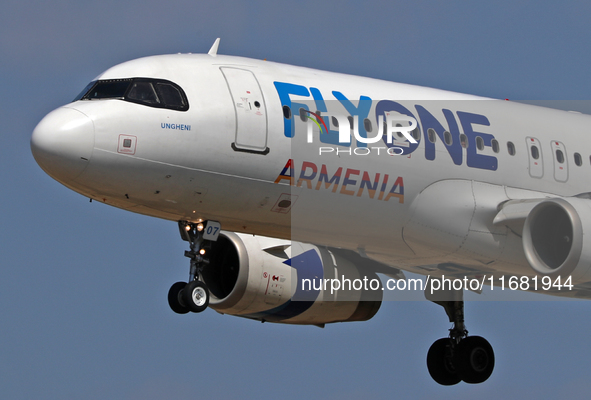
(83, 286)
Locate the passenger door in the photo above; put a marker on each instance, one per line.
(250, 109)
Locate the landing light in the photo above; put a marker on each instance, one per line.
(202, 251)
(199, 227)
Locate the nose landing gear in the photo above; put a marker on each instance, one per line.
(193, 295)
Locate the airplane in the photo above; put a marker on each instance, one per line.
(321, 178)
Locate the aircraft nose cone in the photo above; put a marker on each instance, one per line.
(62, 143)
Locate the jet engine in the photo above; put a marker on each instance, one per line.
(557, 238)
(283, 281)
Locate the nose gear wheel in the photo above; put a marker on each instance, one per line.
(192, 296)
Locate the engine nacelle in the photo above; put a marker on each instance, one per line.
(289, 282)
(557, 238)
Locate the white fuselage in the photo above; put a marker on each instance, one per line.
(227, 158)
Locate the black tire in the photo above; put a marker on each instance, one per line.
(474, 359)
(440, 364)
(174, 298)
(196, 296)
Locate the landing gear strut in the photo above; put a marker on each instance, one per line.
(459, 357)
(193, 295)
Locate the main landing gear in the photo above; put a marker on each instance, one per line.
(459, 357)
(193, 295)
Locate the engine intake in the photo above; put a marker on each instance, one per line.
(554, 239)
(279, 280)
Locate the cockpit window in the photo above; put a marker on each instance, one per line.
(83, 92)
(143, 92)
(149, 92)
(170, 94)
(111, 89)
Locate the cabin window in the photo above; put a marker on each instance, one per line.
(578, 159)
(157, 93)
(400, 135)
(535, 153)
(416, 134)
(511, 148)
(447, 138)
(367, 125)
(495, 145)
(559, 156)
(431, 134)
(350, 119)
(335, 122)
(303, 114)
(464, 141)
(286, 112)
(479, 143)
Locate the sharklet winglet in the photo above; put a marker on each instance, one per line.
(214, 49)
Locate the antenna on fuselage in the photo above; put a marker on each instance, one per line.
(214, 49)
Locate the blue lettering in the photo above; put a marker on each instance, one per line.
(473, 159)
(284, 90)
(180, 127)
(428, 121)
